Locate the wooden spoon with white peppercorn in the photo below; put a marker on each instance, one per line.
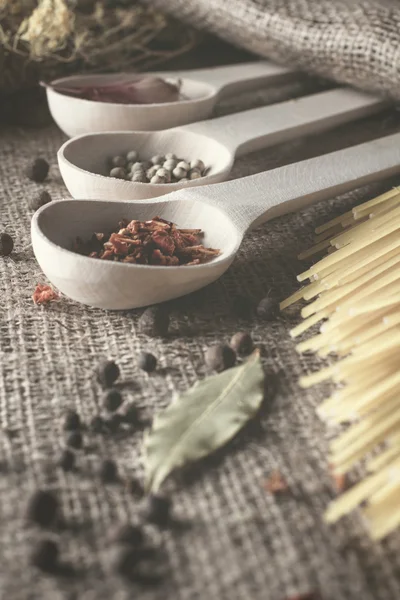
(224, 211)
(200, 90)
(84, 160)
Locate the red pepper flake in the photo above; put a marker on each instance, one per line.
(340, 480)
(153, 242)
(306, 596)
(276, 483)
(44, 294)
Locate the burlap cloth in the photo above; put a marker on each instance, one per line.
(352, 41)
(241, 543)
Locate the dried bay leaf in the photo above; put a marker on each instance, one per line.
(202, 419)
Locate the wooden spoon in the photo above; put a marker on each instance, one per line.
(224, 211)
(201, 89)
(83, 161)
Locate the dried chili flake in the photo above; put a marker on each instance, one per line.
(276, 483)
(153, 242)
(44, 294)
(340, 480)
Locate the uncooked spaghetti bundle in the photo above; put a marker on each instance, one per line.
(353, 296)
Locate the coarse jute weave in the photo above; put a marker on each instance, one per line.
(351, 41)
(241, 543)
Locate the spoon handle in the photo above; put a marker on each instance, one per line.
(259, 128)
(258, 198)
(241, 77)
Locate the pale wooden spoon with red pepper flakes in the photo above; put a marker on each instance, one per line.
(225, 212)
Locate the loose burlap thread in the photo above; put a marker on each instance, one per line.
(240, 542)
(352, 41)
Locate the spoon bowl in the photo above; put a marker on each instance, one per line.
(200, 89)
(84, 160)
(224, 211)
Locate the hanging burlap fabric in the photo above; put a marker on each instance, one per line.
(352, 41)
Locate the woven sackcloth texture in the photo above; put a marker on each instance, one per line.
(240, 542)
(352, 41)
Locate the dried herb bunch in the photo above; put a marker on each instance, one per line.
(155, 242)
(45, 39)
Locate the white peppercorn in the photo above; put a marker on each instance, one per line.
(170, 164)
(194, 174)
(197, 164)
(137, 166)
(183, 165)
(158, 159)
(158, 179)
(139, 177)
(152, 171)
(118, 161)
(118, 173)
(179, 173)
(132, 156)
(170, 156)
(164, 173)
(183, 180)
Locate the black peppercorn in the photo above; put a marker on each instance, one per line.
(112, 400)
(242, 343)
(108, 471)
(291, 313)
(72, 421)
(67, 460)
(75, 440)
(43, 507)
(158, 509)
(134, 487)
(39, 200)
(6, 244)
(45, 555)
(38, 170)
(107, 373)
(267, 309)
(242, 307)
(219, 357)
(114, 422)
(131, 414)
(147, 362)
(122, 560)
(127, 533)
(154, 321)
(97, 424)
(148, 572)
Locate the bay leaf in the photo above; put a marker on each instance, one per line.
(202, 419)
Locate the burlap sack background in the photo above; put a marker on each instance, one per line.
(242, 543)
(351, 41)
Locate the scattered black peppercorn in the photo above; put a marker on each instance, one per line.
(127, 533)
(72, 421)
(154, 321)
(242, 343)
(45, 555)
(43, 507)
(122, 560)
(75, 440)
(158, 509)
(6, 244)
(112, 400)
(114, 422)
(107, 373)
(108, 471)
(219, 357)
(267, 309)
(291, 313)
(134, 487)
(38, 170)
(39, 200)
(67, 460)
(131, 414)
(97, 424)
(242, 307)
(147, 362)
